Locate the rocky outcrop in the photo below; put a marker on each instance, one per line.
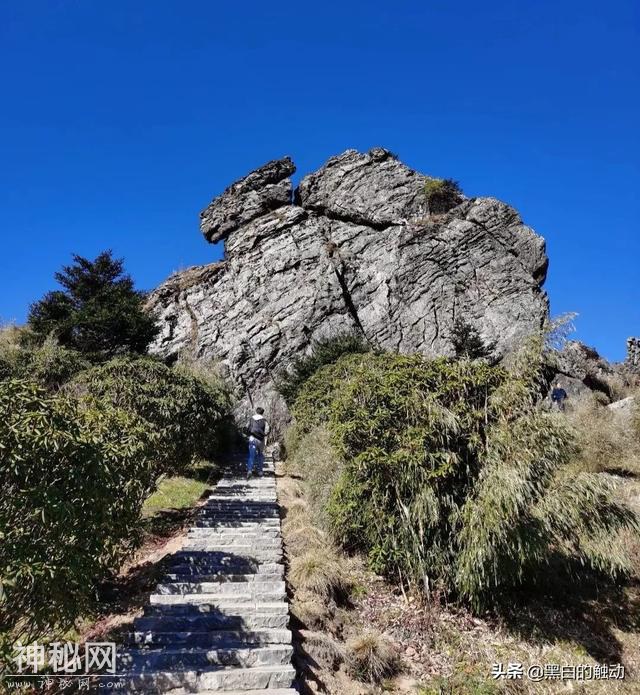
(624, 408)
(633, 354)
(263, 190)
(352, 249)
(580, 369)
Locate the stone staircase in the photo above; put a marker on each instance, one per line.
(218, 621)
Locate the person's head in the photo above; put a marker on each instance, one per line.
(558, 385)
(260, 411)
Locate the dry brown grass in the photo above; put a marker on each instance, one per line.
(310, 610)
(290, 489)
(371, 657)
(320, 572)
(296, 514)
(10, 335)
(304, 538)
(608, 441)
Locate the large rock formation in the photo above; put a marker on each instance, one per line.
(352, 249)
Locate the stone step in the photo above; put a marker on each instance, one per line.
(239, 520)
(247, 506)
(262, 588)
(229, 534)
(221, 515)
(198, 658)
(244, 485)
(195, 622)
(230, 553)
(266, 540)
(223, 577)
(214, 679)
(220, 600)
(259, 530)
(189, 569)
(247, 503)
(206, 522)
(248, 495)
(240, 542)
(209, 638)
(238, 547)
(232, 556)
(202, 605)
(203, 566)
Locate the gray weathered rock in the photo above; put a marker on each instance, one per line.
(633, 354)
(357, 250)
(623, 408)
(263, 190)
(374, 189)
(585, 368)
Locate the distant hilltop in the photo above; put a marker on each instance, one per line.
(364, 244)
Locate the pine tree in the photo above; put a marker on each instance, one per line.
(98, 311)
(467, 342)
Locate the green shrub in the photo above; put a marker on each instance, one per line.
(74, 476)
(323, 352)
(188, 415)
(452, 476)
(51, 364)
(442, 195)
(48, 363)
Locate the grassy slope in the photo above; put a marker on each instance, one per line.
(446, 650)
(174, 493)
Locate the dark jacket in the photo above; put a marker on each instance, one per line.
(558, 395)
(258, 427)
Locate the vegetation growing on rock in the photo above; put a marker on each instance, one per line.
(322, 352)
(442, 194)
(468, 343)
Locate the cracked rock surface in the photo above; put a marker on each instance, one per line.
(352, 249)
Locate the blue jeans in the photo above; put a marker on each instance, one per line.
(256, 457)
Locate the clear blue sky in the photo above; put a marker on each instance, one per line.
(120, 120)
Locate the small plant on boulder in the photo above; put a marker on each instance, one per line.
(442, 195)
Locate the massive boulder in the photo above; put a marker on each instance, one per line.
(354, 248)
